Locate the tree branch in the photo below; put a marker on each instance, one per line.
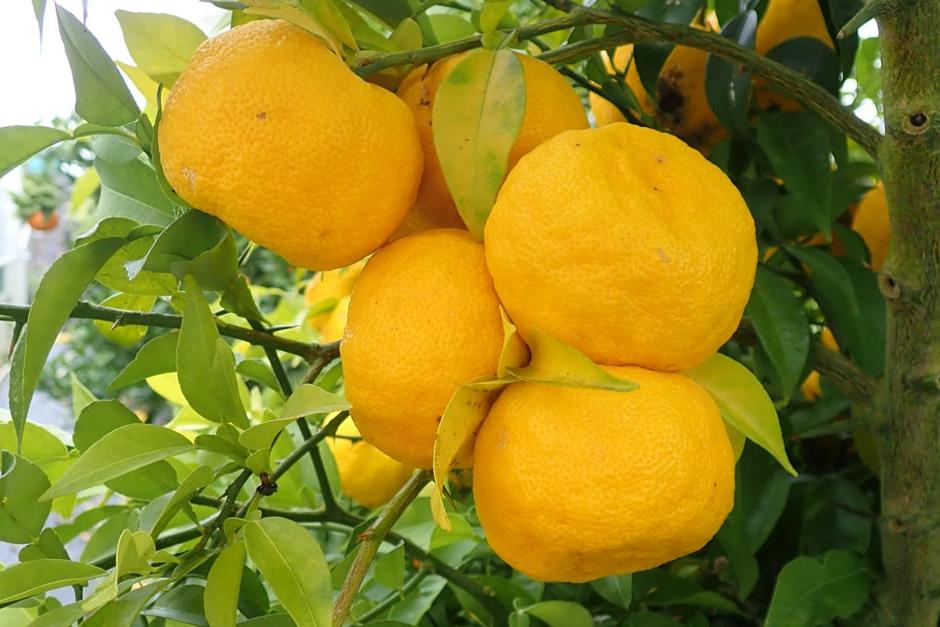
(123, 317)
(371, 540)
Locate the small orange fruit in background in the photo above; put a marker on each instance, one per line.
(572, 484)
(367, 475)
(872, 222)
(325, 293)
(272, 133)
(423, 320)
(552, 106)
(645, 255)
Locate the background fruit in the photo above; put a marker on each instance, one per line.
(572, 484)
(271, 132)
(423, 320)
(871, 221)
(367, 475)
(784, 20)
(324, 292)
(810, 387)
(645, 256)
(552, 106)
(604, 111)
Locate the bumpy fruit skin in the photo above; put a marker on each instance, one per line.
(640, 252)
(784, 20)
(871, 221)
(572, 484)
(367, 475)
(270, 131)
(552, 106)
(423, 320)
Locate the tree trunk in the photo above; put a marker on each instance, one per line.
(910, 406)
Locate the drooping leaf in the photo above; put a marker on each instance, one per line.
(477, 115)
(22, 515)
(556, 363)
(781, 325)
(19, 143)
(117, 453)
(20, 581)
(294, 567)
(223, 585)
(743, 403)
(157, 356)
(815, 591)
(616, 589)
(205, 363)
(100, 92)
(58, 291)
(728, 85)
(160, 44)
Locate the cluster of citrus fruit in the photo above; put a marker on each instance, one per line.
(621, 241)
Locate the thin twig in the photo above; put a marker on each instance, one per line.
(310, 444)
(123, 317)
(371, 540)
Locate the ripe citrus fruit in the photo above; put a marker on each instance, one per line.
(604, 111)
(551, 107)
(645, 256)
(270, 131)
(871, 221)
(326, 289)
(423, 320)
(572, 484)
(332, 329)
(367, 475)
(784, 20)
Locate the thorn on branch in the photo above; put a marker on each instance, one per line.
(870, 11)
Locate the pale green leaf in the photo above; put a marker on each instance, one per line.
(744, 404)
(125, 335)
(22, 514)
(20, 581)
(222, 586)
(160, 44)
(19, 143)
(190, 485)
(309, 399)
(158, 356)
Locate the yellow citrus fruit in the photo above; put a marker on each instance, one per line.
(871, 221)
(326, 289)
(367, 475)
(423, 320)
(332, 329)
(272, 133)
(551, 107)
(604, 111)
(810, 387)
(784, 20)
(572, 484)
(645, 255)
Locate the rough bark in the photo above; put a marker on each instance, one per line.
(909, 596)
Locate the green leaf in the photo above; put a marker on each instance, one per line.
(132, 556)
(294, 567)
(744, 404)
(449, 27)
(122, 272)
(390, 568)
(556, 363)
(309, 399)
(781, 325)
(129, 189)
(260, 436)
(20, 581)
(101, 95)
(124, 610)
(477, 115)
(39, 445)
(260, 371)
(196, 244)
(47, 546)
(161, 45)
(182, 604)
(237, 299)
(125, 335)
(616, 589)
(19, 143)
(727, 86)
(561, 614)
(814, 591)
(65, 615)
(797, 144)
(119, 452)
(39, 9)
(58, 291)
(81, 396)
(223, 585)
(155, 357)
(190, 485)
(205, 362)
(22, 515)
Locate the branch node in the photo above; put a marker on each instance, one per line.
(870, 11)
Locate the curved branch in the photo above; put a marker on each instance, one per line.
(123, 317)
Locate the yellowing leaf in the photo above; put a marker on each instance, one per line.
(515, 353)
(455, 435)
(301, 17)
(160, 44)
(125, 335)
(477, 115)
(744, 404)
(556, 363)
